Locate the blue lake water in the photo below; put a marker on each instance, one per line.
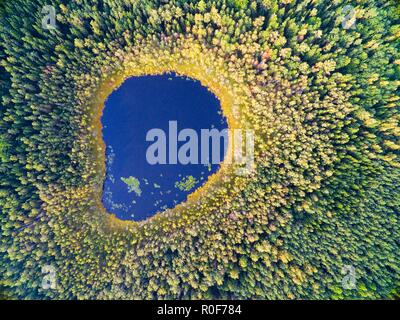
(135, 189)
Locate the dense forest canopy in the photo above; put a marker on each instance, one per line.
(319, 85)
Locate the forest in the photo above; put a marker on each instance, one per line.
(317, 82)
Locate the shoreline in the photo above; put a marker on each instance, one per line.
(113, 82)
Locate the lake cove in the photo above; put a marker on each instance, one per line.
(168, 310)
(136, 187)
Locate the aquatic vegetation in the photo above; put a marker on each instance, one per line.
(186, 184)
(133, 185)
(321, 205)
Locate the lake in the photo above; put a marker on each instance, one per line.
(141, 179)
